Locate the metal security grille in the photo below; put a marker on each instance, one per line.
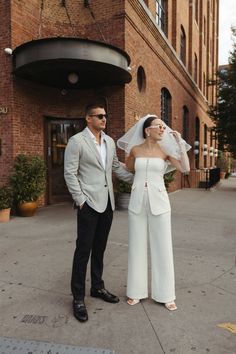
(16, 346)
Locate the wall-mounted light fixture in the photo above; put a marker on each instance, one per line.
(73, 78)
(196, 143)
(211, 150)
(63, 92)
(8, 51)
(204, 148)
(196, 151)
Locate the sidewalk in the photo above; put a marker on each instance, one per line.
(35, 269)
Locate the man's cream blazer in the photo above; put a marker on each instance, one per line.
(85, 175)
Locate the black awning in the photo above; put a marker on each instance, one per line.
(71, 63)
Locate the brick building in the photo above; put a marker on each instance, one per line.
(69, 52)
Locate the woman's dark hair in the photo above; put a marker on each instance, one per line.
(147, 124)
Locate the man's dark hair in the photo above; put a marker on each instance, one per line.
(92, 106)
(147, 124)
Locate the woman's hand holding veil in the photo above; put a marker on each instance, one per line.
(184, 160)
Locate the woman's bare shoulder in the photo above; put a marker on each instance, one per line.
(136, 149)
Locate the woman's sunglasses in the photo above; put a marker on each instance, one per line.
(159, 126)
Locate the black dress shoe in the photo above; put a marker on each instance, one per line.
(80, 311)
(104, 295)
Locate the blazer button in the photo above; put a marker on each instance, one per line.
(105, 185)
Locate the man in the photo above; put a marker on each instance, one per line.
(90, 158)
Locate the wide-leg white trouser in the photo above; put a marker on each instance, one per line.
(156, 228)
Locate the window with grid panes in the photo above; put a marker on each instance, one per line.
(166, 106)
(161, 14)
(185, 123)
(182, 45)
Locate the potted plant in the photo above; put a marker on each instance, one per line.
(168, 178)
(122, 192)
(223, 164)
(5, 203)
(28, 182)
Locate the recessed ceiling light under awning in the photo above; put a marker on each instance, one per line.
(71, 63)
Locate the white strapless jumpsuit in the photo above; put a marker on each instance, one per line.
(149, 219)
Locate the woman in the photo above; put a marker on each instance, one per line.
(159, 149)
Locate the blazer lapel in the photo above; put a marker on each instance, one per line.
(90, 143)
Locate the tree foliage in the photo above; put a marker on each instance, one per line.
(224, 113)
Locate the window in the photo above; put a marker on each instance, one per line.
(161, 14)
(204, 30)
(205, 142)
(141, 79)
(211, 49)
(195, 66)
(204, 84)
(197, 139)
(182, 45)
(185, 123)
(166, 106)
(211, 146)
(205, 134)
(196, 10)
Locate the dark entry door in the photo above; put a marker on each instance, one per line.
(58, 133)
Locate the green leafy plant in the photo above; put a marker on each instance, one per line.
(6, 197)
(122, 187)
(168, 178)
(223, 113)
(222, 163)
(28, 178)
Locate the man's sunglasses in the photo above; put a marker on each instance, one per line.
(99, 116)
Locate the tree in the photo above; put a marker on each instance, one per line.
(224, 113)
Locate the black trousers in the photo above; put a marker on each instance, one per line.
(92, 234)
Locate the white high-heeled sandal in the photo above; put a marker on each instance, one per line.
(132, 302)
(171, 306)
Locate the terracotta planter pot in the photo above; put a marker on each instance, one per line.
(5, 215)
(27, 208)
(222, 175)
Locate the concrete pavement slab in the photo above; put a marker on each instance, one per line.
(35, 268)
(8, 346)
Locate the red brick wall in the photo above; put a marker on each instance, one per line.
(163, 69)
(5, 93)
(74, 20)
(57, 20)
(125, 24)
(34, 102)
